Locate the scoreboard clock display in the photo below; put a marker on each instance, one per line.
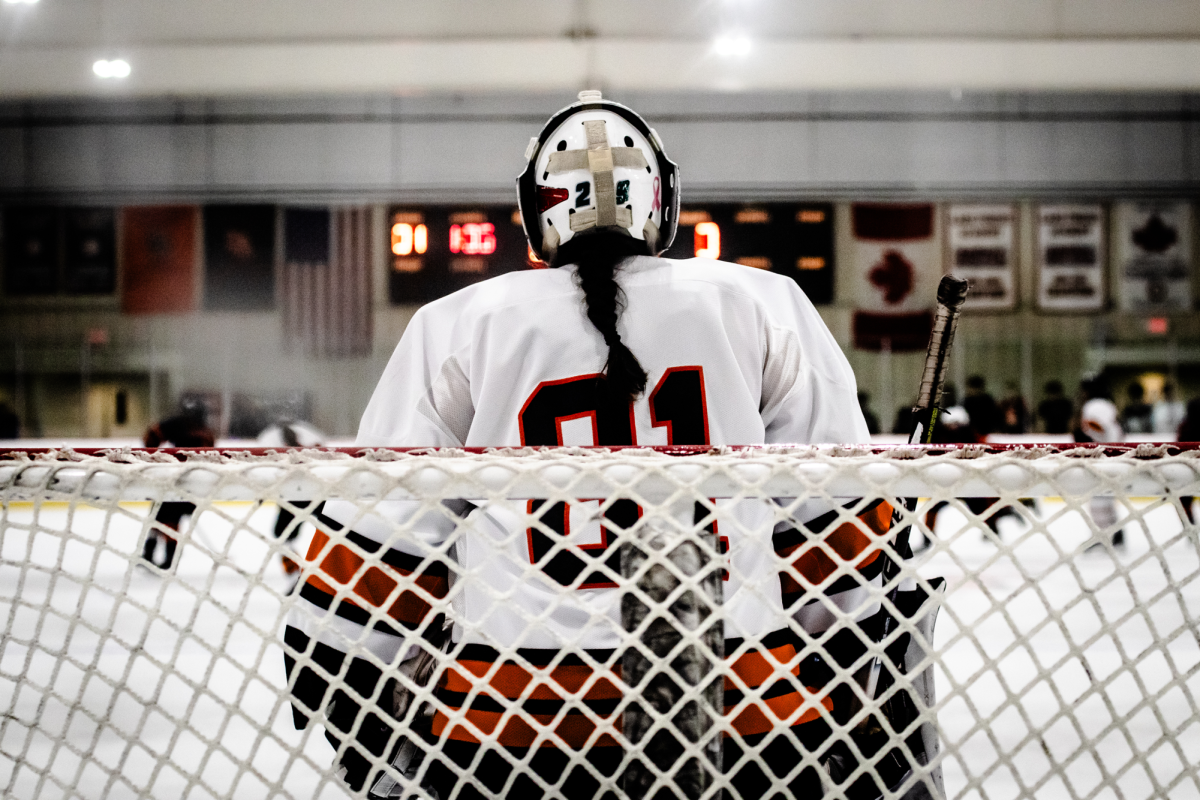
(435, 250)
(793, 239)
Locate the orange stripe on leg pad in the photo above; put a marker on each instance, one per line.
(755, 669)
(848, 541)
(375, 586)
(753, 719)
(510, 680)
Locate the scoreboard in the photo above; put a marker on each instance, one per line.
(793, 239)
(435, 250)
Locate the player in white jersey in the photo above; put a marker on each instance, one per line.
(611, 346)
(1099, 421)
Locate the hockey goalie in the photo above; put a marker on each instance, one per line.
(471, 649)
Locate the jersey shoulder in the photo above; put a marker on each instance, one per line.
(726, 276)
(512, 288)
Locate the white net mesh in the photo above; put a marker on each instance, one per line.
(738, 621)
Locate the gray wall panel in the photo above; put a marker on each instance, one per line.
(1027, 154)
(12, 157)
(322, 154)
(231, 155)
(1089, 153)
(1191, 153)
(149, 156)
(455, 154)
(1155, 148)
(737, 154)
(469, 148)
(66, 158)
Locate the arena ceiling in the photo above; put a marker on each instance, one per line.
(48, 48)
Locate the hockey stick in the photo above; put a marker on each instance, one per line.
(952, 292)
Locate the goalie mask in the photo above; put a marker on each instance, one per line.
(597, 166)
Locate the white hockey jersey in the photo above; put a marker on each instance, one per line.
(733, 355)
(1100, 420)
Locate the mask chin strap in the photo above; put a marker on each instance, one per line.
(600, 160)
(650, 234)
(550, 240)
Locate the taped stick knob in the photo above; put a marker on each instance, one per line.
(952, 291)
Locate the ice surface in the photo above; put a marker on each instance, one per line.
(1059, 670)
(170, 705)
(1056, 660)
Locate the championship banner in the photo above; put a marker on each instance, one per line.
(1071, 257)
(239, 258)
(31, 251)
(1154, 256)
(90, 264)
(981, 240)
(158, 259)
(896, 262)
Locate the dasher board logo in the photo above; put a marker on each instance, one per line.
(1071, 257)
(981, 242)
(1154, 256)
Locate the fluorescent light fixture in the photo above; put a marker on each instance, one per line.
(117, 68)
(732, 45)
(19, 2)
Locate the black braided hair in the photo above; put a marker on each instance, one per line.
(596, 257)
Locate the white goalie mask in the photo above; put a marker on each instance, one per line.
(597, 166)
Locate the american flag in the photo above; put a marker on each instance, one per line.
(326, 284)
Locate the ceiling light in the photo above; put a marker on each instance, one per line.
(117, 68)
(19, 2)
(732, 45)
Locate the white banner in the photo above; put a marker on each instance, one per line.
(1154, 256)
(982, 249)
(1071, 257)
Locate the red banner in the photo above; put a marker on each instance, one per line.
(158, 257)
(897, 263)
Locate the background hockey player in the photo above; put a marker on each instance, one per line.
(290, 433)
(188, 428)
(613, 346)
(1099, 421)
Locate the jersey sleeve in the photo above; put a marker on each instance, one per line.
(809, 395)
(376, 572)
(423, 398)
(831, 547)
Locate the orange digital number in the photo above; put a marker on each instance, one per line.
(708, 240)
(408, 239)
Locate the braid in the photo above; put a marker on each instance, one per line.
(596, 258)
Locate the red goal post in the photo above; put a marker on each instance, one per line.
(754, 470)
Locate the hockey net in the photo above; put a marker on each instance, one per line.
(1062, 664)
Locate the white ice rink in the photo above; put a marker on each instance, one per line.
(1095, 685)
